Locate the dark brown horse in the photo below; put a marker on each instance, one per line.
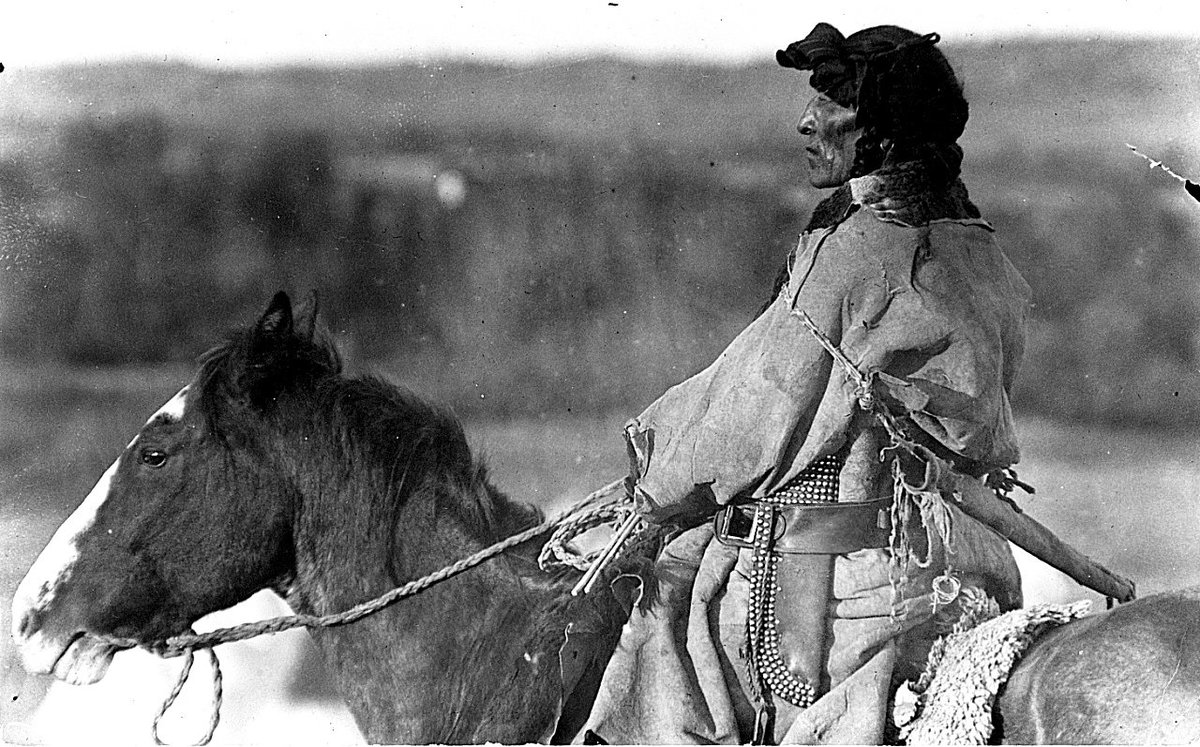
(274, 470)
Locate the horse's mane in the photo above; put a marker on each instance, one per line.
(363, 416)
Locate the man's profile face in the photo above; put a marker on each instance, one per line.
(830, 137)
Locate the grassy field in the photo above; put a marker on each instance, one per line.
(1125, 498)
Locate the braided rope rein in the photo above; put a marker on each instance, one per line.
(214, 716)
(572, 522)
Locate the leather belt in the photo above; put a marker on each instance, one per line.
(794, 535)
(822, 529)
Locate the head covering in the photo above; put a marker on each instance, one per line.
(898, 80)
(901, 85)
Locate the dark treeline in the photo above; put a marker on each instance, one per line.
(515, 270)
(507, 276)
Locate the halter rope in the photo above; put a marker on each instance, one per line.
(571, 523)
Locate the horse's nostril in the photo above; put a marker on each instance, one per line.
(27, 625)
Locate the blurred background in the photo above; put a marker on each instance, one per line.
(544, 215)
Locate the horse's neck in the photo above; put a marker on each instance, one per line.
(413, 670)
(353, 543)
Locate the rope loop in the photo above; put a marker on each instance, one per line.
(557, 551)
(214, 718)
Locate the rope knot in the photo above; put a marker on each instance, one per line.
(865, 392)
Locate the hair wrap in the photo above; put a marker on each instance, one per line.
(834, 69)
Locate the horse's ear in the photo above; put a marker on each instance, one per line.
(276, 323)
(306, 316)
(279, 353)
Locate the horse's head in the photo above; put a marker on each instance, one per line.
(194, 516)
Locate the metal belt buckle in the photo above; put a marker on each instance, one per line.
(734, 526)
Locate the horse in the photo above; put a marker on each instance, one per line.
(273, 469)
(1130, 674)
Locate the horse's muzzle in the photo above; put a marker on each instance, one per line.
(74, 657)
(79, 659)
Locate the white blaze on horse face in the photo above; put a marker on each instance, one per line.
(56, 562)
(172, 411)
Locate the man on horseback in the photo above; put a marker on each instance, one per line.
(812, 548)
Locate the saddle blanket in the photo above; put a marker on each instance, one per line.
(966, 670)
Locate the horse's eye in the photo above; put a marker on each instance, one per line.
(153, 457)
